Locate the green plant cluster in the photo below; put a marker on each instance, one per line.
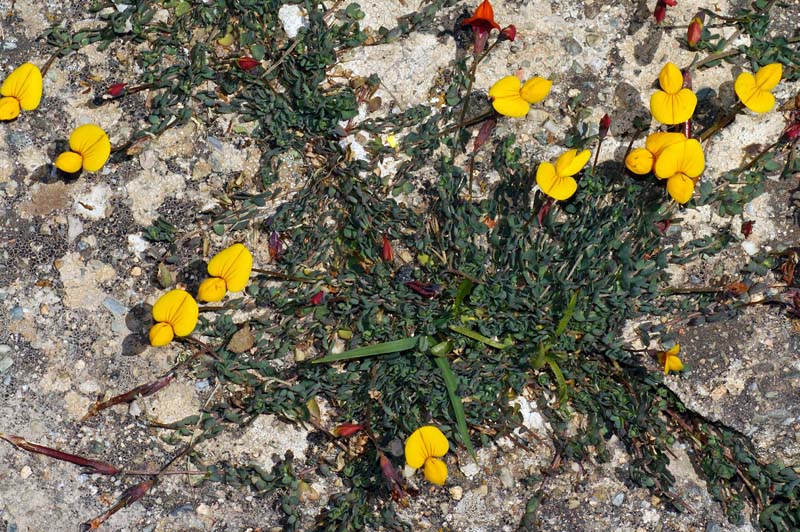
(522, 303)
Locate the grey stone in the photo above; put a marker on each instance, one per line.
(5, 363)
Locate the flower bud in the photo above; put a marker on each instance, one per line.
(660, 11)
(695, 30)
(247, 63)
(509, 33)
(605, 125)
(116, 90)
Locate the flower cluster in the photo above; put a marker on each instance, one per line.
(754, 90)
(673, 157)
(510, 97)
(557, 180)
(89, 144)
(176, 312)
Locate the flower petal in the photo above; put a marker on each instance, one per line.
(234, 264)
(682, 157)
(535, 89)
(483, 17)
(639, 161)
(559, 188)
(69, 162)
(680, 187)
(178, 309)
(505, 87)
(769, 76)
(424, 443)
(435, 471)
(674, 350)
(92, 143)
(694, 161)
(161, 334)
(670, 78)
(24, 84)
(673, 109)
(211, 290)
(571, 162)
(672, 363)
(506, 97)
(9, 108)
(656, 142)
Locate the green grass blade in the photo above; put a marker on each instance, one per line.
(562, 323)
(464, 290)
(458, 409)
(477, 336)
(394, 346)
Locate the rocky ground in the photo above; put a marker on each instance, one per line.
(74, 265)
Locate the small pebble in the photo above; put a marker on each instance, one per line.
(618, 499)
(456, 492)
(16, 313)
(470, 469)
(136, 271)
(506, 479)
(25, 472)
(481, 491)
(203, 509)
(750, 247)
(134, 410)
(5, 363)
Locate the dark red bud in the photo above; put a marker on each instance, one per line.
(793, 131)
(484, 133)
(387, 253)
(247, 63)
(747, 228)
(345, 430)
(117, 89)
(509, 33)
(605, 125)
(671, 3)
(317, 298)
(275, 246)
(660, 12)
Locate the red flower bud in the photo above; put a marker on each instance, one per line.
(387, 253)
(317, 298)
(695, 31)
(345, 430)
(747, 228)
(660, 12)
(116, 90)
(605, 125)
(509, 33)
(671, 3)
(247, 63)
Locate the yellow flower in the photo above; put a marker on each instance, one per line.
(229, 270)
(754, 91)
(641, 160)
(511, 98)
(557, 181)
(175, 314)
(669, 359)
(681, 165)
(90, 150)
(673, 104)
(22, 90)
(423, 447)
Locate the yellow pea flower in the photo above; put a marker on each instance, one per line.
(754, 91)
(21, 90)
(669, 359)
(681, 165)
(556, 180)
(512, 98)
(424, 447)
(641, 160)
(674, 103)
(175, 314)
(229, 270)
(90, 149)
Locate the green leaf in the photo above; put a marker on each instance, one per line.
(394, 346)
(562, 383)
(477, 336)
(464, 290)
(455, 401)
